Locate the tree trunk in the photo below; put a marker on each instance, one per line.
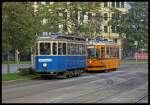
(8, 67)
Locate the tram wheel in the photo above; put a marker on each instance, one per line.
(75, 73)
(65, 75)
(69, 74)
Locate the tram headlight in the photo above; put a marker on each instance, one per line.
(44, 64)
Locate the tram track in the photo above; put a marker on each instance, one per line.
(142, 97)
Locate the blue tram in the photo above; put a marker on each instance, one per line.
(60, 55)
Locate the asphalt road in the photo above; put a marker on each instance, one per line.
(129, 84)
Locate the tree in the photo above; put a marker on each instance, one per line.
(19, 25)
(134, 25)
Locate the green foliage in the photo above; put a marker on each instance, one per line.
(18, 26)
(134, 25)
(15, 76)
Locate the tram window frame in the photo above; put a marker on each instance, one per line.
(98, 55)
(78, 53)
(68, 48)
(114, 52)
(102, 52)
(75, 49)
(48, 49)
(54, 49)
(64, 48)
(60, 48)
(111, 52)
(83, 50)
(71, 49)
(80, 49)
(107, 52)
(91, 54)
(117, 52)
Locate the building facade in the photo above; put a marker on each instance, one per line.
(106, 13)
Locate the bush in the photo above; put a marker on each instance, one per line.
(26, 71)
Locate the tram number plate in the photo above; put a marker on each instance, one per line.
(90, 46)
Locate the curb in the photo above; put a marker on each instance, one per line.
(19, 80)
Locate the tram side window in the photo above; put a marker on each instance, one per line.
(72, 49)
(54, 48)
(114, 52)
(97, 53)
(117, 52)
(68, 48)
(80, 49)
(83, 49)
(82, 46)
(75, 49)
(107, 52)
(78, 52)
(111, 52)
(102, 52)
(45, 49)
(64, 48)
(60, 48)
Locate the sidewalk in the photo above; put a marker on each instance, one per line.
(14, 67)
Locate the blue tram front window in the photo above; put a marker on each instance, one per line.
(45, 49)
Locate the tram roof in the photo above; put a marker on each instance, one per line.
(61, 38)
(102, 42)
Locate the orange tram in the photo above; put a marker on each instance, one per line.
(103, 56)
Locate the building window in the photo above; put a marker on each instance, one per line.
(113, 4)
(117, 29)
(105, 29)
(113, 16)
(97, 16)
(113, 29)
(89, 16)
(117, 16)
(38, 3)
(97, 30)
(105, 4)
(81, 16)
(115, 40)
(117, 4)
(47, 2)
(105, 16)
(122, 4)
